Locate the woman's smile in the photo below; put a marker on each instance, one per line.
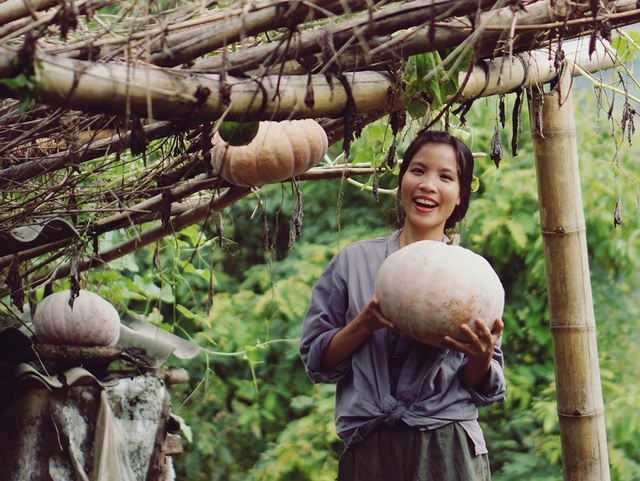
(425, 204)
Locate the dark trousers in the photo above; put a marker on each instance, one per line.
(404, 453)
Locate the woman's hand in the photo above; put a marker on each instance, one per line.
(371, 317)
(477, 345)
(347, 340)
(479, 349)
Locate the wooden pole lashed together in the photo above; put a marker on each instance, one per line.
(577, 373)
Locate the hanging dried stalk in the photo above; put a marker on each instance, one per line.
(14, 284)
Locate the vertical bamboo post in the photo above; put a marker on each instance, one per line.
(577, 373)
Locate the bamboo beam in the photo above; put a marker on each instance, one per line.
(360, 32)
(19, 16)
(174, 94)
(497, 32)
(150, 210)
(542, 23)
(14, 9)
(184, 46)
(579, 393)
(538, 67)
(89, 151)
(159, 93)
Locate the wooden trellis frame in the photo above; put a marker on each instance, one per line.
(146, 90)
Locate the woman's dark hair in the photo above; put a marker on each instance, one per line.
(464, 161)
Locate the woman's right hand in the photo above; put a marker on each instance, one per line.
(347, 340)
(371, 317)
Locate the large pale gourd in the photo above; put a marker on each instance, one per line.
(428, 289)
(279, 150)
(93, 321)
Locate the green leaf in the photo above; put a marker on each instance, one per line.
(185, 429)
(185, 311)
(627, 47)
(518, 233)
(428, 82)
(475, 184)
(25, 86)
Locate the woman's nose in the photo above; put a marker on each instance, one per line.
(427, 183)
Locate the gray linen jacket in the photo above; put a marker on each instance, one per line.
(429, 392)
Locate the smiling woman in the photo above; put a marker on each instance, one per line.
(396, 395)
(435, 164)
(429, 191)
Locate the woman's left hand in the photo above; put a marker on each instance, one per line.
(479, 349)
(479, 345)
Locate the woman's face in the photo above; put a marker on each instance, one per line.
(430, 190)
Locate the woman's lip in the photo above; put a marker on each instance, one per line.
(422, 201)
(423, 208)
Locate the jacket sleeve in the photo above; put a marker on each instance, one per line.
(493, 389)
(325, 316)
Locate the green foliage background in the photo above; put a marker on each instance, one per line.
(241, 293)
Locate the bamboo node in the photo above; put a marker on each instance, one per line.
(575, 327)
(560, 231)
(578, 414)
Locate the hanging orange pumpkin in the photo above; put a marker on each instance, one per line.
(93, 321)
(428, 289)
(278, 151)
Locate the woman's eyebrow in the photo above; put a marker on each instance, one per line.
(423, 165)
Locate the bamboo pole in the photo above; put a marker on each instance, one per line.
(579, 393)
(504, 75)
(497, 32)
(14, 9)
(185, 45)
(174, 94)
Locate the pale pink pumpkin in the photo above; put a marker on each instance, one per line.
(93, 321)
(428, 289)
(279, 150)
